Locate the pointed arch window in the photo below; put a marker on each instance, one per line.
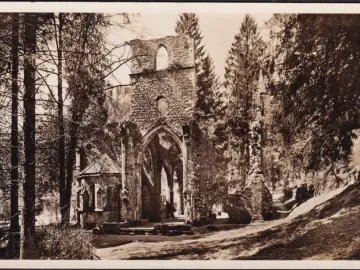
(79, 200)
(162, 58)
(100, 199)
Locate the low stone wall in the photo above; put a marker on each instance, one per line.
(90, 220)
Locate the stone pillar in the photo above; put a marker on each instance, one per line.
(181, 212)
(256, 179)
(157, 167)
(187, 177)
(171, 191)
(171, 208)
(257, 200)
(180, 190)
(131, 189)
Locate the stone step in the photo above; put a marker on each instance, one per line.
(158, 229)
(173, 227)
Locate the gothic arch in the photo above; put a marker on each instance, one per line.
(147, 139)
(156, 130)
(162, 58)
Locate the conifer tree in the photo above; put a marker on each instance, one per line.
(206, 80)
(241, 79)
(316, 81)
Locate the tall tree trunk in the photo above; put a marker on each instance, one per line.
(77, 114)
(28, 209)
(61, 151)
(14, 220)
(71, 157)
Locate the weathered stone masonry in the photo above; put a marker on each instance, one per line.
(175, 86)
(162, 108)
(162, 101)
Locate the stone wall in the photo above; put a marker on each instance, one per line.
(180, 50)
(208, 167)
(174, 85)
(88, 215)
(131, 193)
(163, 97)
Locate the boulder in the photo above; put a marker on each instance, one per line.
(239, 215)
(235, 207)
(239, 206)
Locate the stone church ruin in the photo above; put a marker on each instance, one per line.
(153, 176)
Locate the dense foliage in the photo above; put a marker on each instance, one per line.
(207, 82)
(241, 81)
(315, 78)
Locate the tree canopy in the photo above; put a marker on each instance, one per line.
(316, 79)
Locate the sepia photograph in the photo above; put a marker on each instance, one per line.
(179, 135)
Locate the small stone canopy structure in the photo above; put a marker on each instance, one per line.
(50, 208)
(97, 192)
(50, 203)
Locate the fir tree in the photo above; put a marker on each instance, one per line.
(206, 80)
(316, 82)
(241, 79)
(207, 106)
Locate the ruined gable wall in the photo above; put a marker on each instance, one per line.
(180, 50)
(176, 83)
(175, 86)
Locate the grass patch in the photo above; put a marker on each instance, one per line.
(64, 243)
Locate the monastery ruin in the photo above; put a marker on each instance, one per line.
(153, 176)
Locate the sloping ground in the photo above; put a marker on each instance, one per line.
(325, 227)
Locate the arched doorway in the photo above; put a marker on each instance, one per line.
(160, 168)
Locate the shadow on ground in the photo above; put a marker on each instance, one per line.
(329, 231)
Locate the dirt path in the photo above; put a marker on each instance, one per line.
(248, 242)
(148, 245)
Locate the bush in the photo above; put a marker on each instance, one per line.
(287, 193)
(201, 221)
(64, 243)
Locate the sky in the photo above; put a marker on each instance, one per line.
(218, 31)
